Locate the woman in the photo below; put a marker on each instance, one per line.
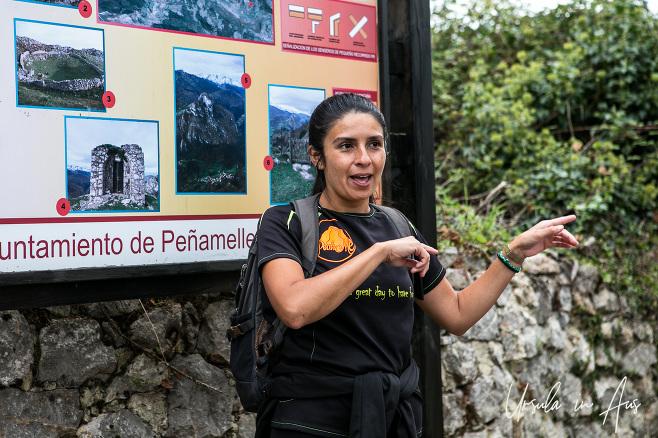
(346, 367)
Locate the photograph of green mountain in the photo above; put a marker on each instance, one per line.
(210, 122)
(290, 110)
(59, 66)
(235, 19)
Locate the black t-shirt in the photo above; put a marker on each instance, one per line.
(371, 329)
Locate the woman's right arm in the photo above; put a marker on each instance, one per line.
(299, 301)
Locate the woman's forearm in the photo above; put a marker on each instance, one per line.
(479, 297)
(459, 311)
(299, 301)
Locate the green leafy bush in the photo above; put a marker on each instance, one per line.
(563, 107)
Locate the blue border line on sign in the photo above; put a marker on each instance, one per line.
(16, 64)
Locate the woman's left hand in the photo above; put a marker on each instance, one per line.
(545, 234)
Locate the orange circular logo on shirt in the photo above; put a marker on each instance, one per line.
(336, 245)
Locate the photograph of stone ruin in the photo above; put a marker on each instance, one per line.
(112, 164)
(210, 123)
(116, 180)
(116, 172)
(59, 66)
(290, 108)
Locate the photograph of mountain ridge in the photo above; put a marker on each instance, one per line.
(235, 19)
(65, 3)
(290, 109)
(210, 122)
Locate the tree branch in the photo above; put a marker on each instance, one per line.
(605, 128)
(150, 352)
(569, 120)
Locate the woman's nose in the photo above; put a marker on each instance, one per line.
(362, 155)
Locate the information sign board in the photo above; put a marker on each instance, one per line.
(155, 133)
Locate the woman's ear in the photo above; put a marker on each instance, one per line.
(315, 158)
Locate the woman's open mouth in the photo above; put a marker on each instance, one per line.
(361, 180)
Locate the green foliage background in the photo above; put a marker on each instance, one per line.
(559, 111)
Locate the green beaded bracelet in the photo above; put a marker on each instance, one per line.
(507, 263)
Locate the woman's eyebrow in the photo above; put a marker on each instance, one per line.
(372, 137)
(339, 139)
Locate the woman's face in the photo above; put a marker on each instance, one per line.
(354, 158)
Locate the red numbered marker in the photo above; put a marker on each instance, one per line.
(246, 80)
(268, 162)
(63, 207)
(251, 4)
(85, 8)
(108, 99)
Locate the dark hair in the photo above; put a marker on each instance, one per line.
(327, 114)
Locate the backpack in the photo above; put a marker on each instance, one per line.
(255, 343)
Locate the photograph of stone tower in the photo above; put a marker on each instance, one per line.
(117, 171)
(112, 165)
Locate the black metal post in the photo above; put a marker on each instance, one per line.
(406, 101)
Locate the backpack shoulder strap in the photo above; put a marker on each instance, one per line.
(307, 209)
(403, 226)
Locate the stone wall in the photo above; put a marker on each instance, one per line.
(556, 353)
(26, 74)
(71, 84)
(135, 185)
(67, 85)
(158, 368)
(119, 369)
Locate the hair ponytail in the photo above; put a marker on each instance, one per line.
(320, 183)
